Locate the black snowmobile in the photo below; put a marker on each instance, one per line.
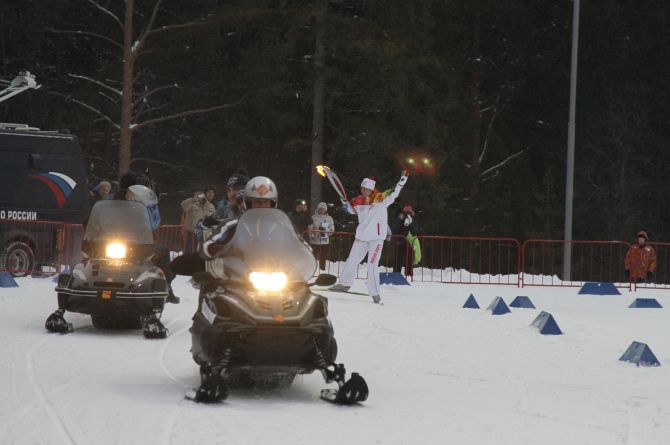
(116, 282)
(258, 321)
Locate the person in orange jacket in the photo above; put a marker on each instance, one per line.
(640, 260)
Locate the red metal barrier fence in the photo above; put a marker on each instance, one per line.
(661, 278)
(592, 261)
(469, 260)
(25, 245)
(443, 258)
(41, 246)
(73, 234)
(176, 238)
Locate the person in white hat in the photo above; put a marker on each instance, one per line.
(371, 208)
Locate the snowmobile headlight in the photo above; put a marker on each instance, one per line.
(264, 281)
(115, 251)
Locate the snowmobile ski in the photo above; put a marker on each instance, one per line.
(153, 328)
(56, 323)
(355, 390)
(212, 389)
(330, 289)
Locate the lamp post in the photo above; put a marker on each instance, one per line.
(567, 247)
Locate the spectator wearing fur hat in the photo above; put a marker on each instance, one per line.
(101, 191)
(371, 206)
(319, 236)
(406, 226)
(640, 260)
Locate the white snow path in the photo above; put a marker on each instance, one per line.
(437, 374)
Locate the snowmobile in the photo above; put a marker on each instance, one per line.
(258, 320)
(115, 282)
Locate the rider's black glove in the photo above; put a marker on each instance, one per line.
(210, 221)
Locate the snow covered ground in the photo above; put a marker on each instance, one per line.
(437, 374)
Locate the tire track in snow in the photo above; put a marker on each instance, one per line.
(170, 420)
(92, 373)
(52, 412)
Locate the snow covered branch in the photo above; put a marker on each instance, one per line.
(145, 32)
(501, 164)
(97, 82)
(107, 12)
(142, 111)
(154, 91)
(98, 112)
(173, 27)
(187, 113)
(167, 164)
(489, 128)
(86, 33)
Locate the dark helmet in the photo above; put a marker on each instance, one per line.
(127, 179)
(237, 181)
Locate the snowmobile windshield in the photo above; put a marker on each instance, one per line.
(126, 221)
(265, 241)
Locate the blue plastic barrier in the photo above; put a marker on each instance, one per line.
(546, 324)
(7, 280)
(498, 307)
(640, 354)
(471, 303)
(522, 302)
(599, 289)
(651, 303)
(392, 278)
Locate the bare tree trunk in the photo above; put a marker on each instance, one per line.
(127, 91)
(319, 104)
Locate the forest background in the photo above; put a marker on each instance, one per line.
(477, 88)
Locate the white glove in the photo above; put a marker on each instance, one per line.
(403, 177)
(407, 221)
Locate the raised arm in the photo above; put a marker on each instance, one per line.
(391, 197)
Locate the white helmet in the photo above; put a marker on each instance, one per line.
(261, 187)
(143, 195)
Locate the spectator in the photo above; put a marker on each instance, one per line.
(300, 216)
(161, 254)
(126, 180)
(322, 226)
(235, 183)
(100, 191)
(640, 260)
(195, 209)
(209, 194)
(406, 226)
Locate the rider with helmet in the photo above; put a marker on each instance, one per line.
(161, 258)
(260, 192)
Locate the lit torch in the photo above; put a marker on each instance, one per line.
(320, 170)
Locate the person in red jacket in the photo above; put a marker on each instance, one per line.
(640, 260)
